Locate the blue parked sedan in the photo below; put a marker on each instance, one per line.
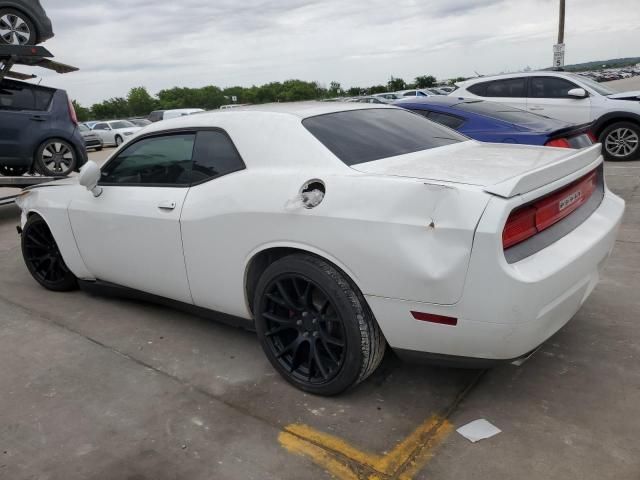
(498, 123)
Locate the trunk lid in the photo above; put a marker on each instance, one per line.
(503, 170)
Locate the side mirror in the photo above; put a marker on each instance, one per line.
(89, 177)
(578, 93)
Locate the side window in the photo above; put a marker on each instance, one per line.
(479, 89)
(19, 96)
(411, 93)
(100, 126)
(510, 87)
(446, 119)
(550, 87)
(161, 161)
(214, 155)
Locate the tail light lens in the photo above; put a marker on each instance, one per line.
(558, 142)
(525, 222)
(593, 137)
(72, 113)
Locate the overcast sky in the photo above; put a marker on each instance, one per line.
(119, 44)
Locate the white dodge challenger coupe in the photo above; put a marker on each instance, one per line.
(335, 230)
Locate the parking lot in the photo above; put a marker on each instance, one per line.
(102, 388)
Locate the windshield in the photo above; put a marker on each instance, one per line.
(597, 87)
(121, 124)
(360, 136)
(502, 112)
(83, 128)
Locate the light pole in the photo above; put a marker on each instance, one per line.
(558, 48)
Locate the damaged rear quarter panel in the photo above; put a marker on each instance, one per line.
(413, 240)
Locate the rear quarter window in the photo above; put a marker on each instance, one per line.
(360, 136)
(23, 96)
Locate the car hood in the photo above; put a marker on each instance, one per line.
(502, 169)
(632, 95)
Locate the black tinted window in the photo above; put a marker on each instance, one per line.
(447, 120)
(21, 96)
(214, 155)
(550, 87)
(510, 87)
(360, 136)
(153, 161)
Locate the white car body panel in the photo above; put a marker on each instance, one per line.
(572, 110)
(109, 136)
(413, 232)
(126, 237)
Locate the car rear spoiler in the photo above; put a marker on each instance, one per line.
(539, 177)
(572, 130)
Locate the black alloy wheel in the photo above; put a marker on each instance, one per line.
(43, 258)
(304, 329)
(315, 326)
(56, 158)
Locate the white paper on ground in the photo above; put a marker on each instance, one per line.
(478, 430)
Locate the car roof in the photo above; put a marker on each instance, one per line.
(445, 100)
(300, 110)
(539, 73)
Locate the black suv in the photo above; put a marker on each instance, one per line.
(23, 22)
(38, 131)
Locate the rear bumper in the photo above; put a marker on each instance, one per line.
(508, 310)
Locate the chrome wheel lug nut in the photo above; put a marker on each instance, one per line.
(314, 321)
(305, 334)
(299, 322)
(315, 334)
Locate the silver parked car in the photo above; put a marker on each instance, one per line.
(91, 139)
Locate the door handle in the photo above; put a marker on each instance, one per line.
(167, 205)
(37, 118)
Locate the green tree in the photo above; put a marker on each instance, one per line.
(395, 84)
(140, 102)
(378, 89)
(453, 81)
(109, 109)
(425, 81)
(82, 113)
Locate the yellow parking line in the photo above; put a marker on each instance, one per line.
(346, 462)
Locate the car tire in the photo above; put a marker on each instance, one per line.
(621, 141)
(43, 258)
(21, 30)
(315, 326)
(56, 158)
(119, 140)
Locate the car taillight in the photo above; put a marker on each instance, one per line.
(520, 226)
(558, 142)
(593, 137)
(72, 113)
(525, 222)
